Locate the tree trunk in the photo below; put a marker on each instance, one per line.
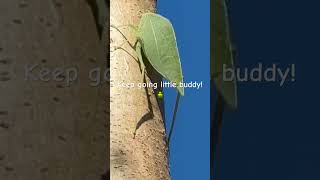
(143, 157)
(49, 130)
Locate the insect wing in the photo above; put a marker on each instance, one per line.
(222, 55)
(160, 47)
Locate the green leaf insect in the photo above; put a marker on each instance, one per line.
(156, 40)
(222, 58)
(159, 45)
(222, 54)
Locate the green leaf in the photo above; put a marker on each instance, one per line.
(160, 47)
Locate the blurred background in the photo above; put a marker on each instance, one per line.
(274, 134)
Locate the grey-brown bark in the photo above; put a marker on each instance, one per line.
(49, 130)
(145, 156)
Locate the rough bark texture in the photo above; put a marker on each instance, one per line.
(48, 130)
(145, 156)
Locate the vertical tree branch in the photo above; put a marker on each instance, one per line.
(145, 156)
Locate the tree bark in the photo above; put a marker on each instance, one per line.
(49, 130)
(143, 157)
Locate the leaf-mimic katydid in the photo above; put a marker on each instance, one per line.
(222, 55)
(157, 42)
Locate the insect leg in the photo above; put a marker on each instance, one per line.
(139, 54)
(174, 117)
(116, 28)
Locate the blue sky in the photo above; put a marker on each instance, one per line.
(274, 134)
(190, 143)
